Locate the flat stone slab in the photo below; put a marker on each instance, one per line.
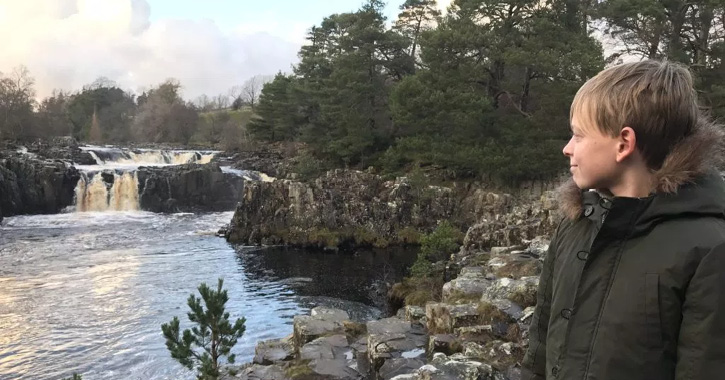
(331, 347)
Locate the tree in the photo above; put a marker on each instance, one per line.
(415, 17)
(275, 117)
(252, 88)
(113, 108)
(691, 32)
(212, 337)
(164, 116)
(17, 100)
(52, 115)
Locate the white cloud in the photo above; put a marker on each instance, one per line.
(69, 43)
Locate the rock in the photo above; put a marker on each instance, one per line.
(259, 372)
(444, 318)
(188, 188)
(445, 343)
(333, 369)
(522, 291)
(538, 247)
(455, 367)
(479, 334)
(329, 347)
(323, 323)
(499, 354)
(399, 366)
(393, 338)
(275, 350)
(515, 266)
(33, 186)
(329, 314)
(414, 314)
(467, 287)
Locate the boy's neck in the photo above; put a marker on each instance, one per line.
(636, 182)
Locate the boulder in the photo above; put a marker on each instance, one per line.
(392, 338)
(467, 287)
(322, 322)
(522, 291)
(275, 350)
(444, 318)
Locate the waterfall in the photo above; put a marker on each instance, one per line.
(94, 194)
(112, 184)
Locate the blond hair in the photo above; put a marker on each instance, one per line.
(655, 98)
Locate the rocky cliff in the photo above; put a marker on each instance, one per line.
(188, 188)
(35, 186)
(352, 208)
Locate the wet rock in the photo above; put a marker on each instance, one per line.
(275, 350)
(34, 186)
(444, 318)
(188, 188)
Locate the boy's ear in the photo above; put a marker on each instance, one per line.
(627, 143)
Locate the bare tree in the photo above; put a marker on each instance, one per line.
(17, 100)
(253, 87)
(204, 103)
(221, 101)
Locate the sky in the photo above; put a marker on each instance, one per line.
(208, 45)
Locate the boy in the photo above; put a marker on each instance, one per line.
(633, 286)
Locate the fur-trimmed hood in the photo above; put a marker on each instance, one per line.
(689, 160)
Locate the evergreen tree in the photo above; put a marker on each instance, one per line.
(210, 339)
(415, 17)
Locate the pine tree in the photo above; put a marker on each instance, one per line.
(211, 339)
(415, 17)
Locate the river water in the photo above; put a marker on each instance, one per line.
(87, 292)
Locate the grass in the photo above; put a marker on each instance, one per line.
(523, 299)
(490, 314)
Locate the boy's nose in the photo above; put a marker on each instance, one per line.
(568, 148)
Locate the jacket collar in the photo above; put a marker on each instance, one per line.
(689, 159)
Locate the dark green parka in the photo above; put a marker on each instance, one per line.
(634, 288)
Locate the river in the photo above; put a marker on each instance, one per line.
(87, 292)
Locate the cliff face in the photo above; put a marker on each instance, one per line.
(188, 188)
(346, 208)
(34, 186)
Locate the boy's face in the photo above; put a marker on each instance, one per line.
(592, 155)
